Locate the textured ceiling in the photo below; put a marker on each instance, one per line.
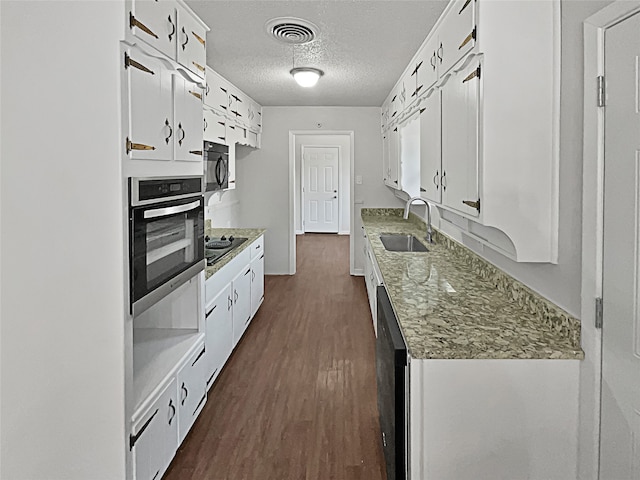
(363, 46)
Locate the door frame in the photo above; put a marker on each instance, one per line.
(293, 180)
(301, 178)
(593, 232)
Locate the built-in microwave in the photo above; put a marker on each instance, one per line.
(166, 234)
(216, 166)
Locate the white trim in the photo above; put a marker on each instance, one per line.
(302, 209)
(593, 217)
(292, 193)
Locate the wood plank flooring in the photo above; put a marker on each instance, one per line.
(297, 399)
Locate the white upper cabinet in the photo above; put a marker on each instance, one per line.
(217, 92)
(172, 28)
(456, 34)
(215, 126)
(242, 114)
(192, 46)
(430, 155)
(154, 22)
(150, 107)
(460, 105)
(188, 124)
(487, 85)
(427, 66)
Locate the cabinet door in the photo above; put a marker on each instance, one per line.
(427, 67)
(214, 127)
(231, 176)
(192, 50)
(192, 391)
(187, 98)
(410, 155)
(460, 110)
(385, 158)
(257, 283)
(393, 180)
(457, 34)
(430, 155)
(407, 88)
(154, 22)
(241, 303)
(155, 436)
(151, 132)
(218, 333)
(217, 93)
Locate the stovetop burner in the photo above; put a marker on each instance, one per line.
(217, 243)
(218, 247)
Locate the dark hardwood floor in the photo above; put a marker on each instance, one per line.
(297, 399)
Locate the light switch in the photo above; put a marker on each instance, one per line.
(358, 179)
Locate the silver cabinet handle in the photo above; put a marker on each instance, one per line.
(164, 212)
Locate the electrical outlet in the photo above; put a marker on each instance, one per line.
(358, 179)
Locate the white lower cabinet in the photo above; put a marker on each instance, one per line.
(372, 280)
(192, 392)
(257, 283)
(154, 438)
(241, 303)
(219, 333)
(165, 418)
(233, 295)
(473, 419)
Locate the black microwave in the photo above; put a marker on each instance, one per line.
(216, 166)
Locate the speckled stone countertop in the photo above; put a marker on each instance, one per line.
(452, 304)
(251, 234)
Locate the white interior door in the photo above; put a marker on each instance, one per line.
(320, 189)
(620, 421)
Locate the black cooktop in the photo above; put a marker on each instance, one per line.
(217, 247)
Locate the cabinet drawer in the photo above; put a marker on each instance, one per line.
(192, 393)
(154, 437)
(257, 247)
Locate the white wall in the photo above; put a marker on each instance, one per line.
(62, 362)
(344, 142)
(263, 175)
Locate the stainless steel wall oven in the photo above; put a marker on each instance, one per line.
(166, 236)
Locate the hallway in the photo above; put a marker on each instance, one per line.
(297, 399)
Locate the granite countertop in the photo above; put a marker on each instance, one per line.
(251, 234)
(451, 304)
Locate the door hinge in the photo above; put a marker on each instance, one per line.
(599, 312)
(600, 80)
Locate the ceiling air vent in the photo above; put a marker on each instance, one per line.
(290, 30)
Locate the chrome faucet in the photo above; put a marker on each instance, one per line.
(429, 237)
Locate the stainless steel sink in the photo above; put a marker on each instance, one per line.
(398, 242)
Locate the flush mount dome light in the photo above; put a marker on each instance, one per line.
(306, 76)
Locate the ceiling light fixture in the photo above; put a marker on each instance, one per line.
(306, 76)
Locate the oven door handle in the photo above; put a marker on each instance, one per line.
(164, 212)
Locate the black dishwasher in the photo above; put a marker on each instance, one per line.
(391, 376)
